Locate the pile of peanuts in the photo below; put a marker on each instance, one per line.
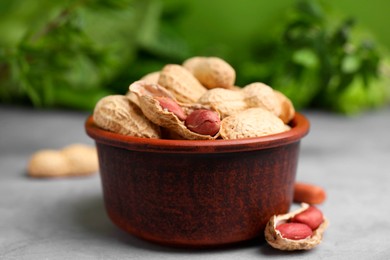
(197, 100)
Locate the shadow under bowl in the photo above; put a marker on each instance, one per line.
(197, 193)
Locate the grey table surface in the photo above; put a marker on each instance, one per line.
(65, 218)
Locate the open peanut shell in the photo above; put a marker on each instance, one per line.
(152, 109)
(275, 239)
(144, 88)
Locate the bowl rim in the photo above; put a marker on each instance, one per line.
(299, 128)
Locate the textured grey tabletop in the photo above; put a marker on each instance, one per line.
(65, 218)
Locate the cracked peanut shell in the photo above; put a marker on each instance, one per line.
(149, 79)
(275, 239)
(147, 96)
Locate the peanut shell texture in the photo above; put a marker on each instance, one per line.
(72, 160)
(287, 108)
(212, 72)
(258, 94)
(151, 77)
(252, 122)
(48, 163)
(226, 101)
(181, 83)
(116, 113)
(82, 159)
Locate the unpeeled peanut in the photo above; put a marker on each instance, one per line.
(181, 83)
(73, 160)
(204, 122)
(287, 111)
(48, 163)
(82, 159)
(258, 94)
(252, 122)
(226, 101)
(151, 77)
(118, 114)
(212, 72)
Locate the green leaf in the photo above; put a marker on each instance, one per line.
(350, 64)
(306, 57)
(352, 100)
(147, 34)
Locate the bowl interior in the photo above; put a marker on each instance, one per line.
(299, 128)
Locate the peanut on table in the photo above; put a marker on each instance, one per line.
(298, 230)
(72, 160)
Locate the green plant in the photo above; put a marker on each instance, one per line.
(72, 53)
(319, 60)
(83, 50)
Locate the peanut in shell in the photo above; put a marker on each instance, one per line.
(151, 77)
(48, 163)
(181, 83)
(258, 94)
(226, 101)
(72, 160)
(116, 113)
(212, 72)
(83, 159)
(287, 108)
(252, 122)
(275, 239)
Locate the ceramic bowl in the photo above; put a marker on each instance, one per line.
(197, 193)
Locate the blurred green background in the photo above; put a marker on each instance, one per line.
(331, 55)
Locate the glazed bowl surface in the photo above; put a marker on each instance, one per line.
(197, 193)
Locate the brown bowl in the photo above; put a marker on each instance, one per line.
(197, 193)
